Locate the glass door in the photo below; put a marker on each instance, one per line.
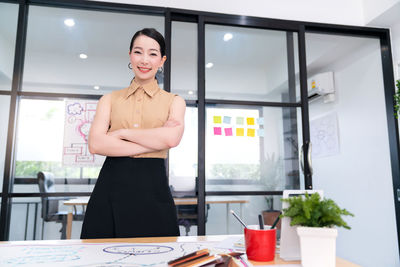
(350, 144)
(253, 128)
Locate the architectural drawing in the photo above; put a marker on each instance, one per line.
(97, 254)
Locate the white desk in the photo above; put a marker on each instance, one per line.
(48, 245)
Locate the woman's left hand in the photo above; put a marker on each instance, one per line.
(116, 133)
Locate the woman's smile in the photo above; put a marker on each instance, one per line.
(144, 69)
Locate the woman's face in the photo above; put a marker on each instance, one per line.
(145, 59)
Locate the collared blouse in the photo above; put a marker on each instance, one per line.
(141, 107)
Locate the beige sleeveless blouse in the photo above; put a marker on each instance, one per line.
(141, 107)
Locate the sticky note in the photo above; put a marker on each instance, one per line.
(251, 132)
(217, 131)
(239, 120)
(250, 121)
(228, 131)
(227, 120)
(260, 132)
(217, 119)
(239, 131)
(260, 121)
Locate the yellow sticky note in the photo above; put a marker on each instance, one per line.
(217, 119)
(251, 132)
(250, 121)
(239, 131)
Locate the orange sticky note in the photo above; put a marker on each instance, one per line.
(250, 121)
(239, 131)
(251, 132)
(217, 119)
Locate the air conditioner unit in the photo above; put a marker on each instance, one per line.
(321, 84)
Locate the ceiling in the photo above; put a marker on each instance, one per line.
(251, 65)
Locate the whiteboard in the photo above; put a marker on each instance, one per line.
(79, 115)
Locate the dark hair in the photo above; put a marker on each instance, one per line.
(152, 33)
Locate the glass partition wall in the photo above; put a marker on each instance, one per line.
(248, 84)
(252, 122)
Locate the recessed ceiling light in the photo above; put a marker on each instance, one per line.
(228, 36)
(83, 56)
(190, 92)
(209, 65)
(69, 22)
(96, 87)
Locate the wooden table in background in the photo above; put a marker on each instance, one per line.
(182, 239)
(83, 201)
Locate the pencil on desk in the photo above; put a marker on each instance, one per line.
(189, 257)
(261, 221)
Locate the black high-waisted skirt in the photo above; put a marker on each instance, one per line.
(131, 198)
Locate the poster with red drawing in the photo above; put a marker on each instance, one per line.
(79, 115)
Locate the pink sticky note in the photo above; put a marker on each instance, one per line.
(228, 131)
(217, 131)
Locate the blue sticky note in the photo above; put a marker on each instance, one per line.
(227, 120)
(260, 132)
(260, 121)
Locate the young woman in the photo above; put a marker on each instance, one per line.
(134, 127)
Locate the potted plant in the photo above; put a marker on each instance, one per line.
(271, 214)
(316, 219)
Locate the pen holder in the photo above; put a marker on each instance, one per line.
(260, 244)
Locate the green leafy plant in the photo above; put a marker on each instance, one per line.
(397, 100)
(312, 211)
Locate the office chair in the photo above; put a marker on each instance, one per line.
(50, 212)
(187, 214)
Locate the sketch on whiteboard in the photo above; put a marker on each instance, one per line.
(324, 136)
(79, 115)
(95, 254)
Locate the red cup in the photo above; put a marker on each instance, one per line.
(260, 244)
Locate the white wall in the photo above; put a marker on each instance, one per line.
(395, 34)
(373, 9)
(359, 177)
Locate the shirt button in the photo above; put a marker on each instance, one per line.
(139, 99)
(136, 125)
(137, 111)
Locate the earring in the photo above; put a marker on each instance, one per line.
(129, 65)
(161, 69)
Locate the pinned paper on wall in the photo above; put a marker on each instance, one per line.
(260, 121)
(260, 132)
(227, 119)
(250, 121)
(324, 134)
(251, 132)
(217, 131)
(217, 119)
(239, 131)
(228, 131)
(239, 120)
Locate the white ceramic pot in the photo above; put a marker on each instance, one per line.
(317, 246)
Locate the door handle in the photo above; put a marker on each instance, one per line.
(309, 152)
(301, 158)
